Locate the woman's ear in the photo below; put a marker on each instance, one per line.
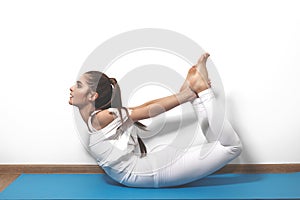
(93, 96)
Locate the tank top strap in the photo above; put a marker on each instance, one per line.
(95, 112)
(90, 126)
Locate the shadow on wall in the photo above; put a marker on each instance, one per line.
(236, 123)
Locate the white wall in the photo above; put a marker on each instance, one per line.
(255, 46)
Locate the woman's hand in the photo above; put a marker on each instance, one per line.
(197, 77)
(195, 81)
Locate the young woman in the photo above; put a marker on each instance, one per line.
(114, 131)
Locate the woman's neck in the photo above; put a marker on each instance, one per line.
(86, 111)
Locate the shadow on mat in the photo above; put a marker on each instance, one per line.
(223, 180)
(213, 180)
(110, 181)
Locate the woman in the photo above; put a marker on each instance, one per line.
(114, 130)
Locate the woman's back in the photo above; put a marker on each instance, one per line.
(114, 146)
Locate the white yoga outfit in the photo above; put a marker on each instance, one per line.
(117, 154)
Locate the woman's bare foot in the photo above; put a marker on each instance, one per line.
(196, 81)
(201, 66)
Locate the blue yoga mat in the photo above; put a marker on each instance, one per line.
(100, 186)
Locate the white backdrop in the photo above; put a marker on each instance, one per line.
(255, 46)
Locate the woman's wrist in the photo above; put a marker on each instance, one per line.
(186, 95)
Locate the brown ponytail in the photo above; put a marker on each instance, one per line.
(110, 97)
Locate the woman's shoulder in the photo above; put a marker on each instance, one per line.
(102, 118)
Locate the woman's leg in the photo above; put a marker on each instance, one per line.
(199, 161)
(173, 167)
(208, 110)
(223, 143)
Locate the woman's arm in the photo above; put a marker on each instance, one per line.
(145, 104)
(158, 106)
(146, 110)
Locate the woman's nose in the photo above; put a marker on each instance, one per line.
(71, 88)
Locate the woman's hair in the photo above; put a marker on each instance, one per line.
(109, 96)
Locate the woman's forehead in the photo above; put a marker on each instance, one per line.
(83, 78)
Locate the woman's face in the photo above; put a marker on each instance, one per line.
(80, 93)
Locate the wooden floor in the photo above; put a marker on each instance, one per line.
(8, 173)
(6, 179)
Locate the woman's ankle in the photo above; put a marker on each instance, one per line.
(205, 95)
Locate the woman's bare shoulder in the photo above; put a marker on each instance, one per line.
(102, 119)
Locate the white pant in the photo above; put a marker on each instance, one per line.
(222, 147)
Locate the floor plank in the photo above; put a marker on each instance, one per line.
(6, 179)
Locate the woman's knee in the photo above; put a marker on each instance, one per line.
(236, 150)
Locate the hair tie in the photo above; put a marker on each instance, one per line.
(113, 81)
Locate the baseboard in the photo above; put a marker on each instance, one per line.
(50, 169)
(95, 169)
(260, 168)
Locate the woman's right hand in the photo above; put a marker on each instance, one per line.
(195, 81)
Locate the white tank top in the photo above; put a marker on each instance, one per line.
(113, 146)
